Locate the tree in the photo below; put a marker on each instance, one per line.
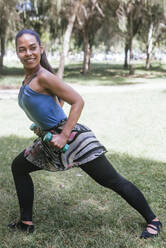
(130, 19)
(7, 8)
(89, 20)
(153, 25)
(67, 35)
(61, 18)
(109, 33)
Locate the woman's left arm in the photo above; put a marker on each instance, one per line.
(57, 87)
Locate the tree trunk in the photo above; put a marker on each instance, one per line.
(2, 40)
(66, 40)
(87, 53)
(131, 66)
(126, 55)
(149, 46)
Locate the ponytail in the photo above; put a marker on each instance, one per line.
(44, 62)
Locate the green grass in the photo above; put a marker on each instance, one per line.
(72, 211)
(113, 74)
(81, 213)
(100, 74)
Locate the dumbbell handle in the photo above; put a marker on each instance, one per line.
(48, 137)
(33, 126)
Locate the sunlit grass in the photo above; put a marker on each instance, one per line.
(125, 121)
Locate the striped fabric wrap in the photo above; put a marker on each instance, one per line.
(83, 147)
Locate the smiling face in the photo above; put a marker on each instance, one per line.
(29, 51)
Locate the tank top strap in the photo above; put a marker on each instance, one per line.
(32, 77)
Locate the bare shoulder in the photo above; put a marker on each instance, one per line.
(45, 76)
(52, 84)
(48, 80)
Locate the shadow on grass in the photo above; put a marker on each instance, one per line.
(128, 165)
(73, 208)
(136, 169)
(112, 74)
(12, 71)
(100, 74)
(153, 68)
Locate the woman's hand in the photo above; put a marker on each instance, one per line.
(58, 140)
(37, 131)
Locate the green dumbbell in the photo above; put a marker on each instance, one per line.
(48, 137)
(33, 126)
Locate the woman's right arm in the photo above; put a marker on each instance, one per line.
(57, 87)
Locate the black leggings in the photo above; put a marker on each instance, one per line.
(99, 169)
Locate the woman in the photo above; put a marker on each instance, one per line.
(39, 97)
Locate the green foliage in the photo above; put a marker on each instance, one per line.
(94, 21)
(153, 12)
(8, 16)
(105, 22)
(109, 34)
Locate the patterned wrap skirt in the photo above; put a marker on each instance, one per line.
(83, 147)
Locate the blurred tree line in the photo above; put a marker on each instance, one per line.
(87, 23)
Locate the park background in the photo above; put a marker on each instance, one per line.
(114, 54)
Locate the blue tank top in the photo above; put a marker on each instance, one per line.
(40, 108)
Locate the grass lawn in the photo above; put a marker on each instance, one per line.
(100, 74)
(72, 211)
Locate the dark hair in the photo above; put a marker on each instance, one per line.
(28, 31)
(43, 61)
